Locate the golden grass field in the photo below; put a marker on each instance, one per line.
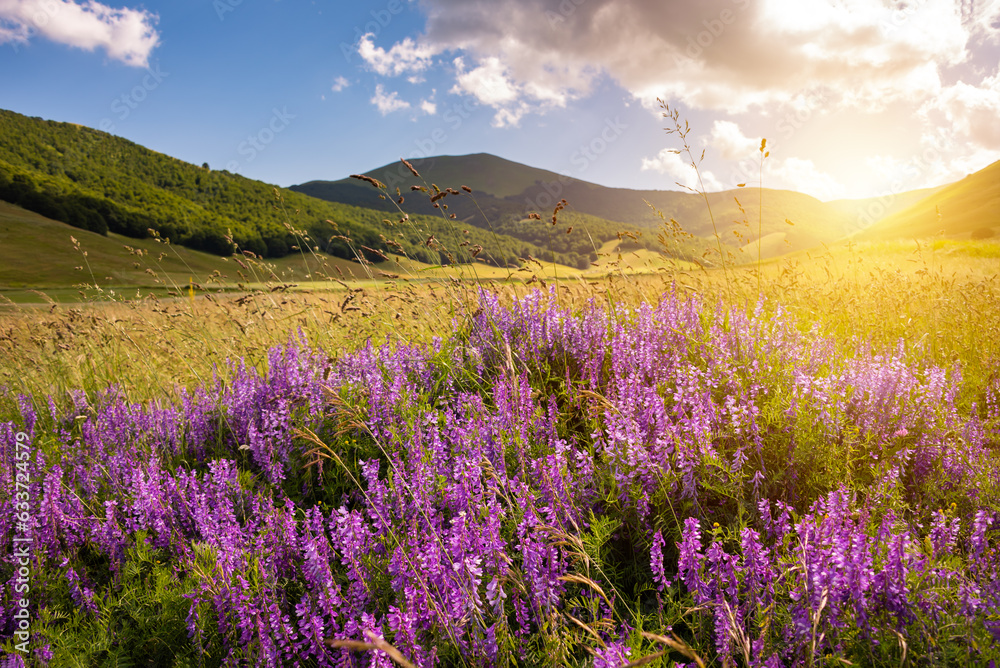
(942, 296)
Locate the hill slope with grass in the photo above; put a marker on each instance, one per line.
(505, 192)
(41, 254)
(46, 260)
(966, 209)
(105, 184)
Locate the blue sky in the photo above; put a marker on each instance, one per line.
(856, 97)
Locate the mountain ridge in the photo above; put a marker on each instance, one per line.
(634, 210)
(99, 182)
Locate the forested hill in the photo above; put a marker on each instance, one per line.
(506, 191)
(96, 181)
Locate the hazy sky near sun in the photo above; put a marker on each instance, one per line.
(856, 98)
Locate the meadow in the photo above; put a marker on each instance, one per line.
(786, 464)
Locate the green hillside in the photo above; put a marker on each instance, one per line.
(969, 208)
(505, 192)
(491, 206)
(40, 253)
(48, 255)
(105, 184)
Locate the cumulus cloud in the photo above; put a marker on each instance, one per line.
(672, 164)
(984, 17)
(789, 173)
(339, 84)
(491, 83)
(972, 111)
(488, 82)
(127, 35)
(405, 56)
(725, 55)
(741, 60)
(941, 156)
(731, 143)
(386, 103)
(428, 107)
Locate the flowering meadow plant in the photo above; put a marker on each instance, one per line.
(705, 486)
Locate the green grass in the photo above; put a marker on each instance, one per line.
(39, 253)
(942, 295)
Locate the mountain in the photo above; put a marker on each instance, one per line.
(506, 191)
(105, 184)
(969, 208)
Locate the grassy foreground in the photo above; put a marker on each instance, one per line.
(663, 468)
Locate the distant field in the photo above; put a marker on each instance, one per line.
(41, 263)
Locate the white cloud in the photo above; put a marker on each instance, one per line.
(791, 173)
(488, 82)
(942, 157)
(679, 168)
(127, 35)
(726, 55)
(339, 84)
(984, 17)
(972, 111)
(491, 83)
(428, 107)
(730, 142)
(405, 56)
(386, 103)
(510, 117)
(743, 61)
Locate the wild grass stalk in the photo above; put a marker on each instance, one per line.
(682, 132)
(760, 207)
